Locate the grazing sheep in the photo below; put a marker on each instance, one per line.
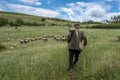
(13, 46)
(45, 39)
(35, 39)
(32, 39)
(64, 39)
(8, 39)
(21, 41)
(55, 37)
(39, 38)
(58, 39)
(26, 41)
(63, 36)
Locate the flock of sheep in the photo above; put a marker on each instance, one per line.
(44, 38)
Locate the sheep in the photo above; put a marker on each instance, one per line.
(64, 39)
(45, 39)
(63, 36)
(26, 41)
(35, 39)
(31, 39)
(21, 41)
(39, 38)
(8, 40)
(13, 46)
(55, 37)
(58, 39)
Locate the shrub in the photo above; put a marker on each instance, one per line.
(52, 24)
(12, 23)
(87, 26)
(19, 22)
(42, 24)
(43, 19)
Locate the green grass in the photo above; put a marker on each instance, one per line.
(49, 60)
(12, 16)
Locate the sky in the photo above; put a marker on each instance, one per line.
(75, 10)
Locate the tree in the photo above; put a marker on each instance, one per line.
(19, 22)
(43, 19)
(115, 19)
(12, 23)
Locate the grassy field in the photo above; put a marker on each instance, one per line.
(40, 60)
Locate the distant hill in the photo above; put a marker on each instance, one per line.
(31, 18)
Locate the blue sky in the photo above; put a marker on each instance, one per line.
(75, 10)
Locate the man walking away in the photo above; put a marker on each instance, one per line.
(75, 45)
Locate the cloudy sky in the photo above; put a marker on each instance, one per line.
(75, 10)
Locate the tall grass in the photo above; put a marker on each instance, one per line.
(49, 60)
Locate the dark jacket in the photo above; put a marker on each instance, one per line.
(76, 40)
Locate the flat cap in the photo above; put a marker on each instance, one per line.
(77, 26)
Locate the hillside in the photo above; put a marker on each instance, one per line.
(31, 18)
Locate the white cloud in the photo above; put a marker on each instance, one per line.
(68, 11)
(33, 10)
(36, 2)
(84, 11)
(79, 11)
(95, 11)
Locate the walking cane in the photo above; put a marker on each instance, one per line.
(84, 62)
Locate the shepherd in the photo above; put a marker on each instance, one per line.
(77, 41)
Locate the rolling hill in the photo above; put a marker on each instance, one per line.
(31, 18)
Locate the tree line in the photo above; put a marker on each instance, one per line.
(113, 23)
(19, 22)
